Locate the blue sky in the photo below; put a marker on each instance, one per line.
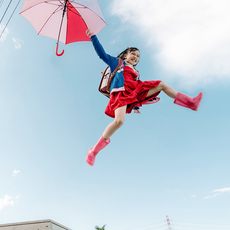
(167, 161)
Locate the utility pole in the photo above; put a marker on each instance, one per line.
(168, 222)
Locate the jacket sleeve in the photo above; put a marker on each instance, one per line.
(109, 60)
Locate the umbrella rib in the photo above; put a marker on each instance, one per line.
(54, 3)
(85, 7)
(78, 12)
(58, 6)
(42, 3)
(62, 3)
(57, 10)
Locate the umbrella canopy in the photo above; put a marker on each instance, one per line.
(64, 20)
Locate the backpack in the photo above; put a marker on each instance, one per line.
(107, 78)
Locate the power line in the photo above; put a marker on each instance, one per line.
(5, 11)
(151, 226)
(181, 225)
(9, 18)
(198, 225)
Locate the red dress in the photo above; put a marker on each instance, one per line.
(134, 94)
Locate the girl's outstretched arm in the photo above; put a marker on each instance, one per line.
(109, 60)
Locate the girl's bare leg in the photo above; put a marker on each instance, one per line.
(165, 88)
(116, 124)
(180, 99)
(105, 138)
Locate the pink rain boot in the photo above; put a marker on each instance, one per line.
(92, 152)
(188, 102)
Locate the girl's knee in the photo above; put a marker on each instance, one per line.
(119, 122)
(162, 85)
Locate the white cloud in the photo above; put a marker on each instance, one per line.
(112, 42)
(6, 201)
(192, 36)
(222, 190)
(4, 35)
(218, 192)
(207, 197)
(17, 43)
(17, 197)
(15, 172)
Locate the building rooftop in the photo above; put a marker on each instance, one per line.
(34, 225)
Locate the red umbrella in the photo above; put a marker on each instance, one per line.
(64, 20)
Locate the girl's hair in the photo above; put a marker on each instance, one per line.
(122, 54)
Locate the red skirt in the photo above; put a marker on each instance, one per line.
(134, 94)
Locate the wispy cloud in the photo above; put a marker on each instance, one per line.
(218, 192)
(207, 197)
(17, 197)
(4, 35)
(222, 190)
(17, 43)
(15, 172)
(192, 37)
(6, 201)
(112, 42)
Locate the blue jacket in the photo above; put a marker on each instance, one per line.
(117, 83)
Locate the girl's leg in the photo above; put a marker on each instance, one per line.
(165, 88)
(105, 138)
(180, 99)
(116, 124)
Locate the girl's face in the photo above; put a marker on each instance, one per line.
(132, 57)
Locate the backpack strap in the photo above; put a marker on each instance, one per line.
(120, 63)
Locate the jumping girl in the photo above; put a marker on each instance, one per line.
(128, 93)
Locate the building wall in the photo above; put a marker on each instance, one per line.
(35, 225)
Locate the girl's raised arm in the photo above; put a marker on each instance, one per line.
(109, 60)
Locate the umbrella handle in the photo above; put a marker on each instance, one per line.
(57, 51)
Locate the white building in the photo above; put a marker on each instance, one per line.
(34, 225)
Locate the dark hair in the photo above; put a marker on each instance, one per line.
(122, 54)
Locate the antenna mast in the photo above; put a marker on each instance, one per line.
(168, 222)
